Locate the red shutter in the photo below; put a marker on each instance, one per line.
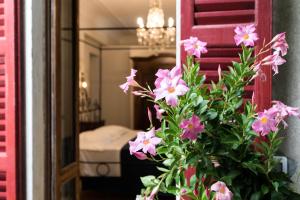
(213, 21)
(7, 101)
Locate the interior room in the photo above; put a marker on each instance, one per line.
(112, 41)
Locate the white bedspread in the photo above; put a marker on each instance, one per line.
(103, 145)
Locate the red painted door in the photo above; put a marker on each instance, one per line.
(8, 68)
(213, 21)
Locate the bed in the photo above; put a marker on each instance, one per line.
(100, 150)
(105, 162)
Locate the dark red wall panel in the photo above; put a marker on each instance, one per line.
(213, 21)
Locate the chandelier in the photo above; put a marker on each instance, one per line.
(155, 35)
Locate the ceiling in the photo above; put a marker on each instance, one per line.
(117, 13)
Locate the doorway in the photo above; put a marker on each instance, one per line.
(93, 48)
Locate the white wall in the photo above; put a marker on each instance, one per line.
(91, 69)
(115, 104)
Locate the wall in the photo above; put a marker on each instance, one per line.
(286, 87)
(90, 68)
(115, 104)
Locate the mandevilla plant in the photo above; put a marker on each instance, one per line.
(211, 143)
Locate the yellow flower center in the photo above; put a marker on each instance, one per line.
(171, 89)
(146, 142)
(264, 120)
(246, 37)
(222, 189)
(190, 126)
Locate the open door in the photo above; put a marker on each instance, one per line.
(64, 98)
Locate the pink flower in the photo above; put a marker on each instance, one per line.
(191, 127)
(284, 110)
(137, 93)
(153, 193)
(130, 81)
(138, 155)
(165, 73)
(274, 60)
(278, 37)
(159, 112)
(222, 191)
(265, 122)
(246, 35)
(145, 141)
(149, 115)
(195, 47)
(170, 89)
(280, 44)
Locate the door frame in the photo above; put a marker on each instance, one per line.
(56, 175)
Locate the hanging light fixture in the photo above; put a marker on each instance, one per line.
(154, 34)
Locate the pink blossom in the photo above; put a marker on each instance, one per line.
(274, 60)
(165, 73)
(277, 61)
(216, 163)
(191, 127)
(170, 89)
(153, 193)
(246, 35)
(280, 44)
(145, 141)
(278, 37)
(137, 93)
(149, 115)
(220, 72)
(222, 191)
(130, 81)
(265, 122)
(257, 67)
(284, 110)
(159, 112)
(138, 155)
(195, 47)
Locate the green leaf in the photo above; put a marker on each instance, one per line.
(148, 181)
(168, 162)
(212, 114)
(275, 185)
(198, 101)
(264, 189)
(169, 179)
(232, 175)
(172, 190)
(162, 149)
(255, 196)
(178, 150)
(162, 169)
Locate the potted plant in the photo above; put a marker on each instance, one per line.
(212, 144)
